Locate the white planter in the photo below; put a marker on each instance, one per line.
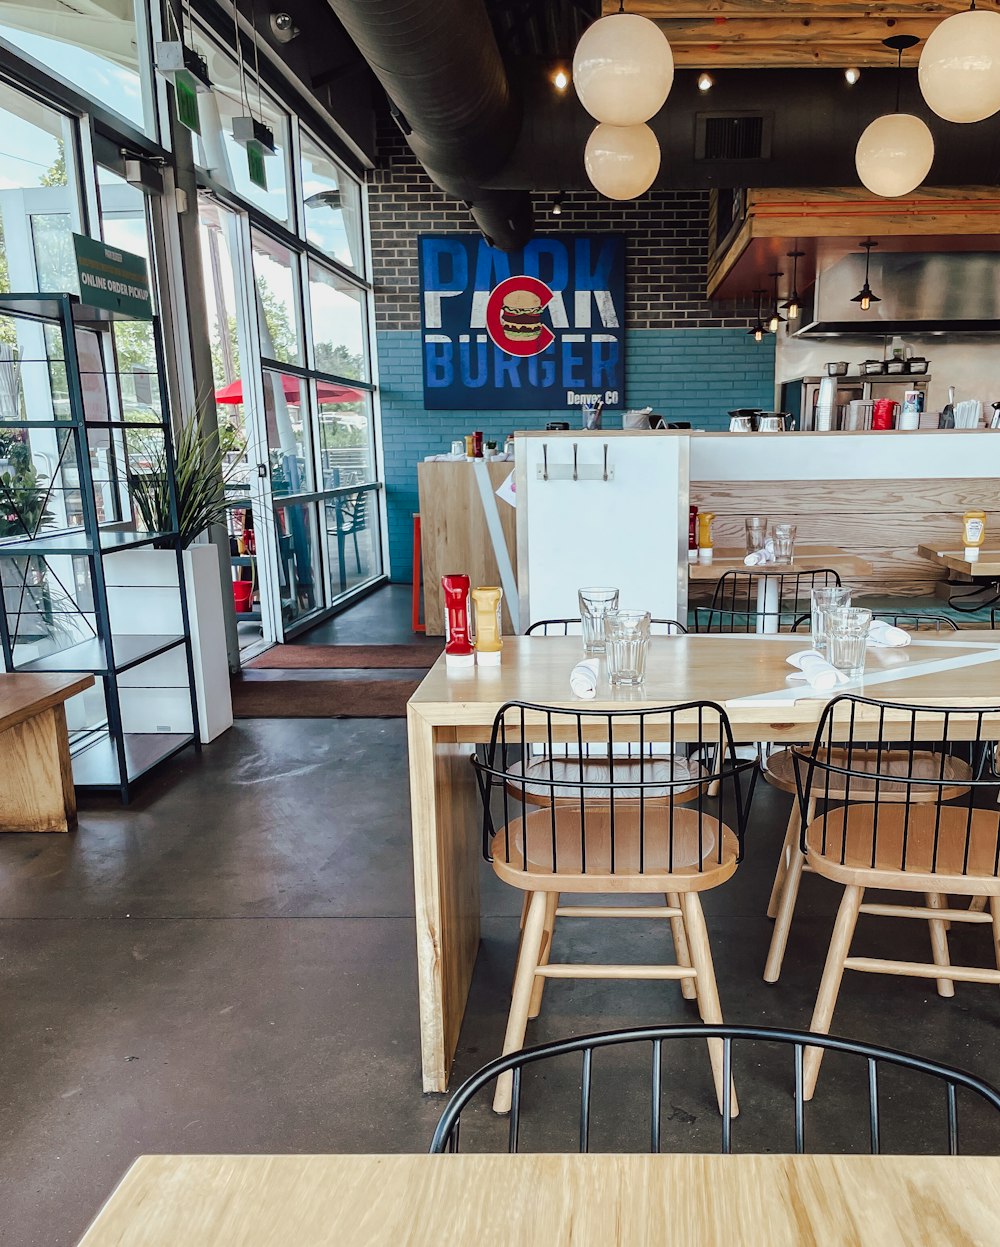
(143, 599)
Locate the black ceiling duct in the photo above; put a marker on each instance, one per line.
(439, 63)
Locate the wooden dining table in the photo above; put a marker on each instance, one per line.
(552, 1201)
(451, 711)
(808, 558)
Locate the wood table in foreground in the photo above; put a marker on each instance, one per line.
(988, 563)
(450, 712)
(807, 559)
(36, 775)
(552, 1201)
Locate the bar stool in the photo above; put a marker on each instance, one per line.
(622, 830)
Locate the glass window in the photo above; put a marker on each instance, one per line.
(287, 415)
(220, 154)
(276, 277)
(338, 324)
(352, 539)
(94, 47)
(300, 573)
(332, 202)
(344, 436)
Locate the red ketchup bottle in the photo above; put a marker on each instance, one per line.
(458, 650)
(692, 534)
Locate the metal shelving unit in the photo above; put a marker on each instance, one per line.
(63, 604)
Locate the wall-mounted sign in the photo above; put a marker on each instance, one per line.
(540, 328)
(112, 279)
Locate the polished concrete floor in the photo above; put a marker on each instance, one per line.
(228, 965)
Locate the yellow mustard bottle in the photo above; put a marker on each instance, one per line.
(486, 601)
(973, 533)
(705, 550)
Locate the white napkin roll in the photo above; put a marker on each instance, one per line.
(882, 635)
(583, 677)
(757, 558)
(818, 673)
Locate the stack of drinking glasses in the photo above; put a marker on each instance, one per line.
(840, 630)
(622, 636)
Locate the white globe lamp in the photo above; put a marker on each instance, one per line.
(622, 161)
(959, 70)
(894, 154)
(623, 69)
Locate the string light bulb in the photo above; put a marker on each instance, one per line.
(560, 79)
(852, 74)
(705, 82)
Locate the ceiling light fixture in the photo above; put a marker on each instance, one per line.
(776, 317)
(623, 68)
(757, 330)
(864, 297)
(959, 69)
(622, 161)
(705, 82)
(793, 304)
(560, 79)
(895, 152)
(852, 74)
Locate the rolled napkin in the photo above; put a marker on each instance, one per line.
(583, 677)
(816, 671)
(882, 635)
(759, 557)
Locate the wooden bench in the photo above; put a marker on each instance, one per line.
(36, 774)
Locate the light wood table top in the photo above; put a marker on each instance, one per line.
(745, 673)
(552, 1201)
(808, 558)
(988, 563)
(24, 694)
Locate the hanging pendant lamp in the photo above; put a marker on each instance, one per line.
(776, 317)
(793, 304)
(865, 297)
(623, 68)
(895, 153)
(757, 330)
(622, 161)
(959, 69)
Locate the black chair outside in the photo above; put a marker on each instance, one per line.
(572, 627)
(917, 621)
(349, 516)
(871, 1058)
(762, 601)
(897, 813)
(626, 811)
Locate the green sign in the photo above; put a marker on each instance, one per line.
(112, 279)
(186, 99)
(255, 163)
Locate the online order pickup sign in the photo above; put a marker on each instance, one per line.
(112, 279)
(536, 329)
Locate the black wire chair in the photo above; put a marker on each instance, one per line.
(917, 621)
(768, 601)
(898, 813)
(573, 627)
(448, 1132)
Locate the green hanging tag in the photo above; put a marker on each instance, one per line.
(186, 98)
(255, 163)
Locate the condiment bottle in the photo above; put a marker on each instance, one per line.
(973, 533)
(486, 599)
(692, 534)
(705, 550)
(458, 650)
(469, 446)
(477, 444)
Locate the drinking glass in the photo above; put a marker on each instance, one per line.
(783, 536)
(824, 600)
(756, 526)
(846, 635)
(594, 605)
(626, 635)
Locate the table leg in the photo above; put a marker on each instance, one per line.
(768, 604)
(36, 775)
(446, 858)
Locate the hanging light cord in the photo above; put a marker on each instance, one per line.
(899, 74)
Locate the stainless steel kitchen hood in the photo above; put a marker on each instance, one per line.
(945, 292)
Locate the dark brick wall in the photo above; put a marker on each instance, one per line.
(667, 236)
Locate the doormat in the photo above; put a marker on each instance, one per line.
(322, 699)
(341, 657)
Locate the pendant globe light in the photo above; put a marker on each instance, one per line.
(959, 70)
(895, 153)
(622, 161)
(623, 69)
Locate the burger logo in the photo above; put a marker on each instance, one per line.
(514, 316)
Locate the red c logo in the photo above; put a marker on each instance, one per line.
(514, 316)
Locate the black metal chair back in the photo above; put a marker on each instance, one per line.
(616, 779)
(740, 600)
(447, 1135)
(573, 627)
(917, 621)
(922, 784)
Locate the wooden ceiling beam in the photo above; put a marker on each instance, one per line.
(794, 30)
(685, 9)
(733, 55)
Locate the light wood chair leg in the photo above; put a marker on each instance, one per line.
(995, 911)
(524, 977)
(551, 902)
(977, 905)
(833, 973)
(939, 940)
(681, 945)
(706, 986)
(783, 921)
(789, 845)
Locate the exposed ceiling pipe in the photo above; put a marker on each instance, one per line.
(439, 63)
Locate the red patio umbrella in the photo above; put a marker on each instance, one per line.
(327, 392)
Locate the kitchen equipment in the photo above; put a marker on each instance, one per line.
(772, 422)
(836, 370)
(895, 367)
(557, 426)
(917, 364)
(884, 413)
(947, 420)
(859, 414)
(740, 424)
(872, 367)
